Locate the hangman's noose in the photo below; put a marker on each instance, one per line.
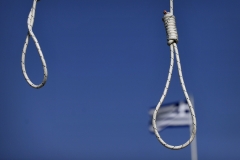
(172, 36)
(30, 22)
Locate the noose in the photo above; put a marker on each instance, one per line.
(30, 22)
(172, 37)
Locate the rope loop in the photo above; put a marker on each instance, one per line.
(30, 22)
(172, 37)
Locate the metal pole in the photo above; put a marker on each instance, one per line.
(194, 142)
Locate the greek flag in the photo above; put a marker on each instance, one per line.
(172, 115)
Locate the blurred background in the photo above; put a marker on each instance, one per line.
(108, 62)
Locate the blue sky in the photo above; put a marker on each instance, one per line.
(108, 63)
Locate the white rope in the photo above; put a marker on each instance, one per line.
(30, 22)
(170, 25)
(171, 6)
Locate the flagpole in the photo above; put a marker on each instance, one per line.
(194, 142)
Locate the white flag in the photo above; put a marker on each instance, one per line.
(172, 115)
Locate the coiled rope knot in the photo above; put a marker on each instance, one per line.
(30, 22)
(170, 26)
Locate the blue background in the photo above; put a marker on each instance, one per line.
(108, 63)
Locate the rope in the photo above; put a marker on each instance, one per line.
(172, 37)
(170, 26)
(171, 6)
(30, 22)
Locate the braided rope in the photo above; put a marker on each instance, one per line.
(171, 6)
(30, 22)
(170, 26)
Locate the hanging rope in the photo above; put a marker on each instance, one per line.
(172, 37)
(30, 22)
